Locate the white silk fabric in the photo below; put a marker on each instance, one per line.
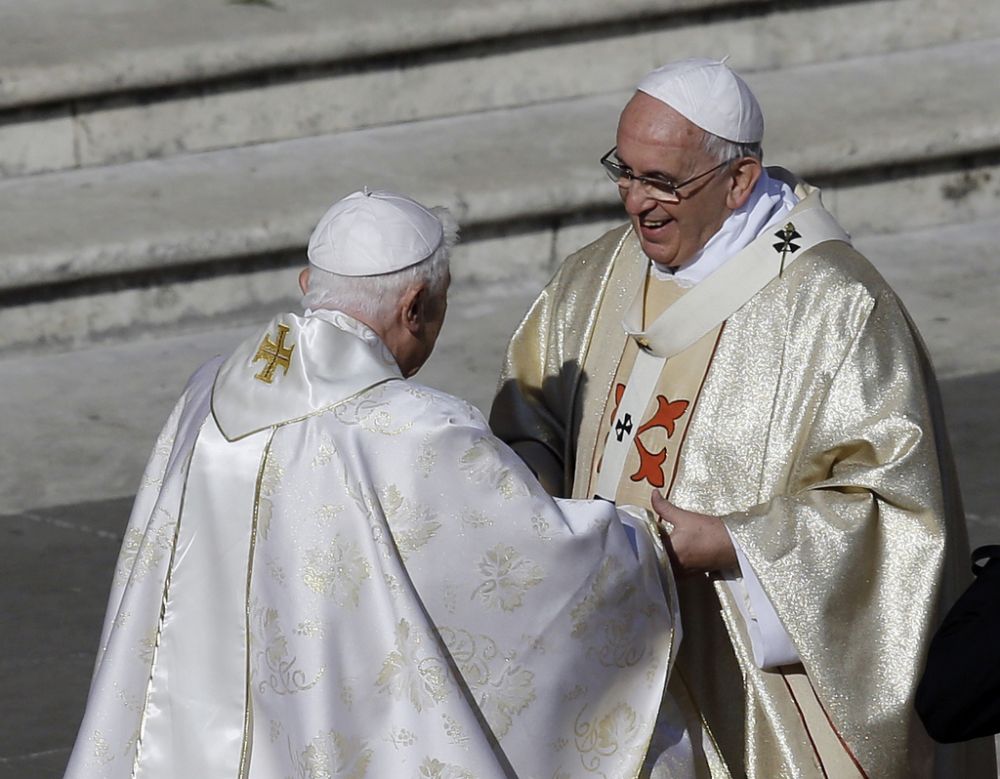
(341, 573)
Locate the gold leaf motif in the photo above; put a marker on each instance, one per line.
(325, 453)
(372, 414)
(502, 687)
(273, 473)
(333, 754)
(454, 730)
(617, 733)
(143, 552)
(274, 666)
(102, 750)
(402, 738)
(426, 458)
(338, 571)
(483, 464)
(477, 519)
(611, 617)
(412, 525)
(541, 527)
(507, 576)
(414, 671)
(435, 769)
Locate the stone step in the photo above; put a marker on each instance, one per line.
(106, 253)
(150, 80)
(92, 414)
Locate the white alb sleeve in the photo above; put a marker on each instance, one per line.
(772, 646)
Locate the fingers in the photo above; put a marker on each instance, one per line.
(664, 510)
(661, 505)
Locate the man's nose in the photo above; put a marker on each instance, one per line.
(635, 198)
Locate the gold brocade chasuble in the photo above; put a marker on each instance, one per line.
(657, 439)
(817, 437)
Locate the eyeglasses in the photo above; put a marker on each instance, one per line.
(652, 186)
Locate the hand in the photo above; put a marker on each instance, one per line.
(695, 542)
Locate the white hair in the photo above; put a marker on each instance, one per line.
(722, 150)
(374, 297)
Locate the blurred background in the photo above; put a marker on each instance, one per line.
(163, 163)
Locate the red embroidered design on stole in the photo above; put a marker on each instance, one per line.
(666, 415)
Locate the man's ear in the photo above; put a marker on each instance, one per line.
(304, 280)
(745, 173)
(413, 306)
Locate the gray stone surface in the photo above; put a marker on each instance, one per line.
(61, 49)
(58, 564)
(339, 97)
(172, 223)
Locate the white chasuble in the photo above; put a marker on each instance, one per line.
(330, 571)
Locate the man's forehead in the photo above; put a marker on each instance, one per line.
(653, 136)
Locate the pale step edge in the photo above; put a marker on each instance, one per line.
(207, 118)
(947, 274)
(112, 397)
(61, 50)
(833, 122)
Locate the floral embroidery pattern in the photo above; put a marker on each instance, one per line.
(435, 769)
(415, 670)
(502, 687)
(273, 668)
(612, 617)
(483, 464)
(333, 754)
(338, 571)
(143, 552)
(507, 576)
(270, 483)
(616, 733)
(325, 453)
(412, 526)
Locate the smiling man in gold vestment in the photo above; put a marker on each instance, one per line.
(729, 349)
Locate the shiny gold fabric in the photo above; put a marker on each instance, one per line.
(818, 437)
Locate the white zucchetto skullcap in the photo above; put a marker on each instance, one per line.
(710, 95)
(371, 233)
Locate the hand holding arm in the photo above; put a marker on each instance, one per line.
(695, 542)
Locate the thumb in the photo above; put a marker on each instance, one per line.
(661, 505)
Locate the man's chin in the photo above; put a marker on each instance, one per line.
(661, 255)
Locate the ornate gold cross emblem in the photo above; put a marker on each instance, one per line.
(276, 354)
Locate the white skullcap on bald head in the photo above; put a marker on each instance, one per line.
(371, 233)
(710, 95)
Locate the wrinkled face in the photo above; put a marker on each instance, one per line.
(655, 140)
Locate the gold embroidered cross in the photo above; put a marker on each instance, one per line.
(276, 354)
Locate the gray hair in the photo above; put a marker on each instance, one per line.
(374, 297)
(721, 150)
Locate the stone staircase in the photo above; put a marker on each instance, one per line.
(163, 164)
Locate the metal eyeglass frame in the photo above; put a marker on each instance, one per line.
(657, 189)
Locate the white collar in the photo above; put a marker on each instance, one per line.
(770, 201)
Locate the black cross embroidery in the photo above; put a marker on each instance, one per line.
(623, 426)
(787, 235)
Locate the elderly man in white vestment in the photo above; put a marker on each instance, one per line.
(332, 571)
(729, 349)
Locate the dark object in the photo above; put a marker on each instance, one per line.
(959, 694)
